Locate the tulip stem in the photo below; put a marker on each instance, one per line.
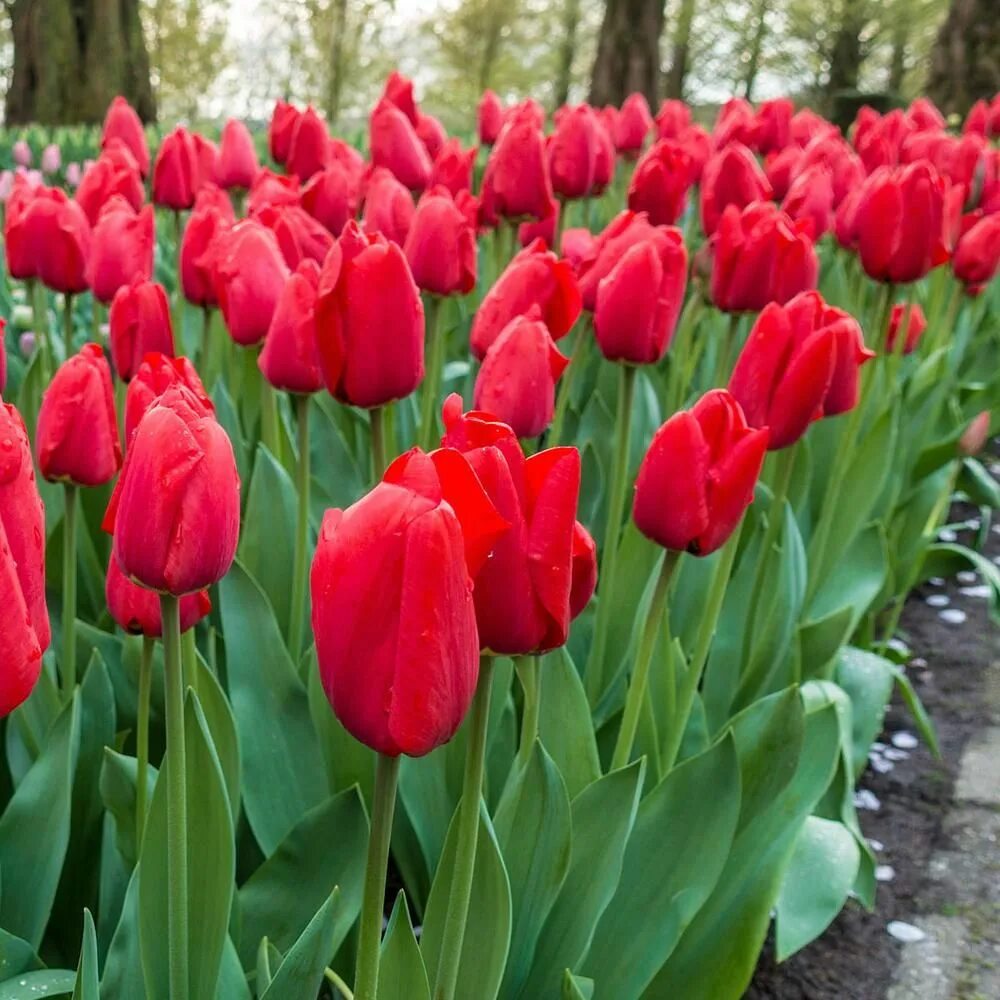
(190, 660)
(640, 674)
(703, 644)
(468, 837)
(40, 321)
(68, 324)
(177, 874)
(338, 984)
(69, 591)
(432, 383)
(373, 904)
(684, 355)
(95, 319)
(568, 379)
(142, 737)
(527, 674)
(612, 529)
(380, 458)
(296, 624)
(724, 357)
(269, 420)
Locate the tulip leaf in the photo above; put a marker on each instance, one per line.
(225, 412)
(603, 817)
(35, 831)
(113, 886)
(867, 679)
(337, 474)
(401, 974)
(232, 982)
(327, 847)
(301, 971)
(487, 930)
(670, 869)
(534, 828)
(117, 786)
(821, 640)
(947, 558)
(282, 767)
(29, 726)
(16, 955)
(123, 967)
(576, 987)
(978, 485)
(87, 985)
(855, 579)
(211, 864)
(222, 727)
(44, 982)
(817, 880)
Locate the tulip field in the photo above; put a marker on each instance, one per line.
(470, 567)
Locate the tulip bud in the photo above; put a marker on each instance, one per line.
(115, 172)
(209, 220)
(517, 380)
(21, 152)
(977, 256)
(332, 196)
(121, 123)
(540, 229)
(453, 167)
(290, 358)
(280, 129)
(24, 619)
(51, 159)
(396, 146)
(810, 197)
(975, 436)
(603, 253)
(370, 321)
(632, 125)
(309, 150)
(137, 609)
(672, 119)
(237, 156)
(660, 183)
(409, 688)
(398, 91)
(736, 124)
(489, 116)
(516, 179)
(534, 278)
(916, 323)
(781, 168)
(155, 376)
(3, 355)
(573, 152)
(176, 172)
(543, 570)
(49, 237)
(774, 125)
(77, 436)
(389, 207)
(721, 457)
(121, 249)
(139, 322)
(640, 299)
(431, 133)
(441, 246)
(732, 177)
(175, 510)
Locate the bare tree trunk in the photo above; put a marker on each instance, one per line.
(495, 17)
(900, 41)
(756, 47)
(335, 80)
(71, 57)
(681, 42)
(847, 53)
(567, 50)
(965, 61)
(628, 52)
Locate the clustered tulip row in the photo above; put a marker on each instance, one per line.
(662, 421)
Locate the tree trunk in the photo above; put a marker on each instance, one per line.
(900, 41)
(335, 80)
(495, 17)
(628, 52)
(71, 57)
(677, 73)
(847, 53)
(965, 61)
(567, 50)
(756, 47)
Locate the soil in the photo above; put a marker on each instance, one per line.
(856, 957)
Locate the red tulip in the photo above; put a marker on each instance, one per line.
(25, 225)
(453, 166)
(347, 156)
(579, 249)
(632, 125)
(759, 256)
(309, 149)
(299, 235)
(847, 173)
(978, 118)
(237, 156)
(248, 273)
(660, 183)
(206, 157)
(534, 278)
(543, 570)
(774, 125)
(624, 230)
(121, 249)
(53, 232)
(810, 197)
(279, 132)
(540, 229)
(975, 436)
(392, 607)
(977, 256)
(121, 123)
(3, 356)
(879, 138)
(395, 145)
(176, 172)
(274, 189)
(332, 196)
(807, 126)
(639, 300)
(290, 358)
(24, 619)
(699, 146)
(923, 114)
(721, 457)
(736, 123)
(516, 179)
(209, 220)
(431, 133)
(155, 376)
(370, 321)
(139, 322)
(137, 610)
(114, 172)
(672, 119)
(916, 323)
(398, 91)
(389, 207)
(781, 168)
(175, 510)
(441, 246)
(77, 437)
(573, 152)
(732, 177)
(490, 115)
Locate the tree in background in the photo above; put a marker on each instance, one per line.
(70, 58)
(680, 50)
(965, 63)
(567, 50)
(628, 52)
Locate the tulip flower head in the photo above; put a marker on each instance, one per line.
(913, 314)
(139, 323)
(441, 246)
(136, 610)
(122, 124)
(290, 357)
(158, 373)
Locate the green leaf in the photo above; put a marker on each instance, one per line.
(867, 679)
(232, 983)
(401, 974)
(282, 767)
(326, 848)
(301, 971)
(222, 727)
(978, 485)
(123, 968)
(925, 725)
(820, 641)
(211, 864)
(267, 538)
(535, 833)
(34, 831)
(87, 985)
(487, 930)
(576, 987)
(946, 558)
(817, 881)
(16, 956)
(670, 869)
(603, 816)
(32, 985)
(117, 785)
(225, 411)
(855, 579)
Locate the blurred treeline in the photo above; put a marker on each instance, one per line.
(199, 59)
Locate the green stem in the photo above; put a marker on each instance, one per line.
(644, 655)
(68, 324)
(616, 507)
(380, 458)
(142, 736)
(683, 354)
(96, 313)
(70, 493)
(300, 566)
(431, 389)
(468, 837)
(373, 904)
(206, 355)
(190, 660)
(528, 675)
(40, 321)
(177, 874)
(338, 984)
(723, 358)
(270, 424)
(568, 380)
(702, 646)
